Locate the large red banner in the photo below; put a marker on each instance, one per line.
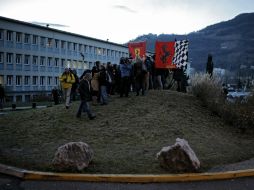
(137, 49)
(164, 52)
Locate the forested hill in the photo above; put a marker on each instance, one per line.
(230, 42)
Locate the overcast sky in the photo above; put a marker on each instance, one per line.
(123, 20)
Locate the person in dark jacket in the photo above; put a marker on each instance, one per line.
(74, 85)
(125, 69)
(103, 82)
(140, 72)
(85, 96)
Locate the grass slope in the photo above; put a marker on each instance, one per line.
(125, 136)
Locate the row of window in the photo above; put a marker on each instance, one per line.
(57, 43)
(32, 80)
(36, 60)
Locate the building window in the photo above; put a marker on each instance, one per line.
(9, 57)
(43, 42)
(18, 58)
(49, 61)
(85, 48)
(74, 47)
(69, 63)
(27, 80)
(19, 37)
(56, 44)
(69, 46)
(79, 64)
(1, 35)
(56, 81)
(42, 80)
(42, 61)
(1, 57)
(56, 62)
(27, 39)
(49, 81)
(35, 40)
(18, 80)
(9, 80)
(35, 80)
(99, 51)
(9, 36)
(80, 47)
(90, 49)
(35, 60)
(50, 42)
(63, 44)
(27, 98)
(62, 62)
(27, 59)
(74, 64)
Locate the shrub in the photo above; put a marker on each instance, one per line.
(240, 115)
(208, 90)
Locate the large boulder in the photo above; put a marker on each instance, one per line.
(178, 157)
(73, 156)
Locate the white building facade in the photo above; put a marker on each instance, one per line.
(32, 57)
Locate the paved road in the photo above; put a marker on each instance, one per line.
(11, 183)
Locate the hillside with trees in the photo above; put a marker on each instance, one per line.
(230, 42)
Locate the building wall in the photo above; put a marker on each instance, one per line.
(32, 57)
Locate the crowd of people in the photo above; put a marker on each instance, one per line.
(103, 80)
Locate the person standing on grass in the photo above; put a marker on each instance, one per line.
(103, 82)
(74, 85)
(95, 85)
(125, 69)
(55, 95)
(2, 96)
(67, 79)
(85, 96)
(140, 71)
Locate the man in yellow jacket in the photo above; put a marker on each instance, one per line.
(67, 79)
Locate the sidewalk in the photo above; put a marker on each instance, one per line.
(7, 109)
(12, 178)
(12, 183)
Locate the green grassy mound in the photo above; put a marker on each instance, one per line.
(125, 136)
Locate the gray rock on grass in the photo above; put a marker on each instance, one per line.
(73, 156)
(178, 157)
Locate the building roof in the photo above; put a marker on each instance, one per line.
(56, 30)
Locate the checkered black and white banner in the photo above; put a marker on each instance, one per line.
(181, 53)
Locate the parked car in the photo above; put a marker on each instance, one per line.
(240, 96)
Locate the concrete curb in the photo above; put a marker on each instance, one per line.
(123, 178)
